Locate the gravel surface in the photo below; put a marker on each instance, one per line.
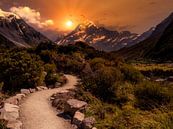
(37, 113)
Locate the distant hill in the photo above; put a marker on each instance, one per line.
(15, 32)
(158, 46)
(102, 38)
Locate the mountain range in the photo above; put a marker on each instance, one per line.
(156, 43)
(158, 46)
(102, 38)
(15, 32)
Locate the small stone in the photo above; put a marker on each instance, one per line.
(57, 84)
(73, 105)
(44, 87)
(78, 118)
(39, 89)
(14, 124)
(9, 112)
(32, 90)
(88, 123)
(25, 91)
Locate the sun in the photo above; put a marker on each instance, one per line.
(69, 24)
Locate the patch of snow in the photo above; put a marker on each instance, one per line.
(7, 14)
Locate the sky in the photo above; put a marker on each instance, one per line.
(134, 15)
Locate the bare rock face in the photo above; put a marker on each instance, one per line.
(14, 124)
(73, 105)
(78, 118)
(88, 123)
(9, 112)
(25, 91)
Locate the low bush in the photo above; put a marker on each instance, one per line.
(150, 96)
(20, 70)
(50, 68)
(3, 124)
(103, 83)
(51, 79)
(131, 74)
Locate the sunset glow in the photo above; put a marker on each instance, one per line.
(69, 24)
(129, 15)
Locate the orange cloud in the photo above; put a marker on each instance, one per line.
(31, 16)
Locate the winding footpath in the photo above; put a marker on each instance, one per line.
(37, 113)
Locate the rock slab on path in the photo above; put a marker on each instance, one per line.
(9, 112)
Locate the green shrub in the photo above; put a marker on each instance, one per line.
(69, 64)
(103, 82)
(48, 56)
(3, 124)
(50, 68)
(131, 74)
(51, 79)
(150, 96)
(97, 62)
(20, 70)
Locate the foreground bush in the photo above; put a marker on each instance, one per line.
(2, 124)
(150, 96)
(51, 79)
(131, 74)
(20, 70)
(103, 83)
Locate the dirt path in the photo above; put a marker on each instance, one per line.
(37, 113)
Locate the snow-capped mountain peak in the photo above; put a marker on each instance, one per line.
(15, 32)
(8, 15)
(99, 37)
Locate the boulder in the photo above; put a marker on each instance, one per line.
(59, 99)
(78, 118)
(64, 94)
(25, 91)
(74, 126)
(32, 90)
(73, 105)
(15, 124)
(9, 112)
(88, 123)
(59, 103)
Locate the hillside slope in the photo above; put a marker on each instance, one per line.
(158, 46)
(15, 32)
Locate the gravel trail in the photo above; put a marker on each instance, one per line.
(37, 113)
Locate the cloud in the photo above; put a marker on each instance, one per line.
(31, 16)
